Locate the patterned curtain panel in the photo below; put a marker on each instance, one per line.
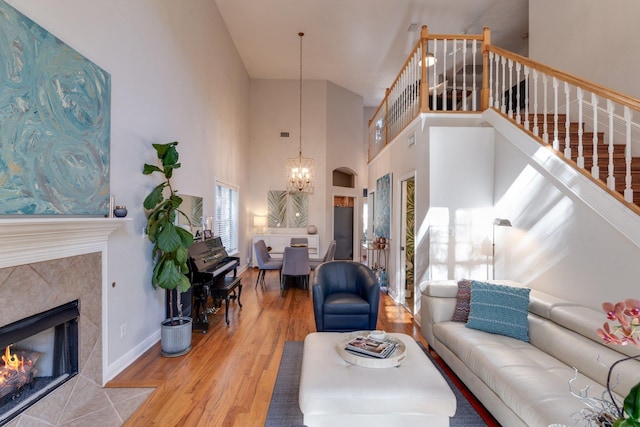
(410, 248)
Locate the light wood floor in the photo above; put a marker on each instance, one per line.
(228, 377)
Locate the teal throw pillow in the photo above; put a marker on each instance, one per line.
(499, 309)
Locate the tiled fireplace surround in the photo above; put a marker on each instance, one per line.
(45, 263)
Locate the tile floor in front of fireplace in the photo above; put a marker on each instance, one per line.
(92, 405)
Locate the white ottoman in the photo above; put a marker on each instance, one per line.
(335, 393)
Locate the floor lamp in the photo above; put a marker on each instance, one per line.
(498, 222)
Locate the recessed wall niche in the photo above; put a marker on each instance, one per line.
(344, 177)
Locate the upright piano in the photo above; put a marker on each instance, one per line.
(210, 267)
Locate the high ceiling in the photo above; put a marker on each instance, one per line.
(358, 44)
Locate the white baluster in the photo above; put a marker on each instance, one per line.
(526, 97)
(464, 76)
(567, 121)
(517, 106)
(396, 113)
(411, 88)
(496, 100)
(503, 102)
(416, 78)
(473, 76)
(536, 130)
(611, 178)
(580, 160)
(405, 96)
(454, 94)
(490, 79)
(595, 169)
(434, 79)
(399, 105)
(510, 111)
(545, 111)
(556, 142)
(444, 76)
(628, 191)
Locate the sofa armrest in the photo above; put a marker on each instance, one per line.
(438, 303)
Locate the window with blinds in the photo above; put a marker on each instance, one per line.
(226, 222)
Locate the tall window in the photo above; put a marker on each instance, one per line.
(226, 223)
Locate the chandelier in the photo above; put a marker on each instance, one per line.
(300, 169)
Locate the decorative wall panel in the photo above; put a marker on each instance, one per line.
(287, 209)
(297, 209)
(277, 205)
(54, 124)
(382, 213)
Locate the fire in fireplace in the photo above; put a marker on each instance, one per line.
(40, 354)
(17, 371)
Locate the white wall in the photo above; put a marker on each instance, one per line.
(461, 205)
(403, 161)
(331, 135)
(175, 75)
(466, 176)
(593, 39)
(345, 149)
(558, 244)
(275, 108)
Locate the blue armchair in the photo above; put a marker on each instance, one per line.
(346, 296)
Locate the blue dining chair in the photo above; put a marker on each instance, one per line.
(265, 261)
(295, 263)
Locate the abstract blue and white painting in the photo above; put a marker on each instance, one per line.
(382, 213)
(55, 113)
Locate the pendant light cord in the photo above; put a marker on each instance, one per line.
(300, 142)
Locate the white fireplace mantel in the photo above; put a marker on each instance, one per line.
(28, 240)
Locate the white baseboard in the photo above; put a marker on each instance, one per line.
(131, 356)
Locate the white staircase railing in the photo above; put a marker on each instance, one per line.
(589, 125)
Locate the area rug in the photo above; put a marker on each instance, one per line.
(284, 410)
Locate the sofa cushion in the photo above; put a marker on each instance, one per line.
(532, 383)
(587, 355)
(499, 309)
(541, 303)
(463, 301)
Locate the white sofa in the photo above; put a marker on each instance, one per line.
(520, 383)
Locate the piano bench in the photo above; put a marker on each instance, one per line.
(224, 289)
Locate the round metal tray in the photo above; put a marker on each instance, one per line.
(395, 359)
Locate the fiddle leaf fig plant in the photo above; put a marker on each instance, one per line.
(170, 242)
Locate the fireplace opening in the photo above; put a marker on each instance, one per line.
(37, 355)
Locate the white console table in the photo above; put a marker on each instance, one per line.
(279, 241)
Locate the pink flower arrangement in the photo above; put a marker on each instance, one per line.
(627, 314)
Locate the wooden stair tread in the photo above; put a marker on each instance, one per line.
(617, 157)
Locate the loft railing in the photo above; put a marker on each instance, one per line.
(590, 125)
(451, 67)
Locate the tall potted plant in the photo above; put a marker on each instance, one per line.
(170, 248)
